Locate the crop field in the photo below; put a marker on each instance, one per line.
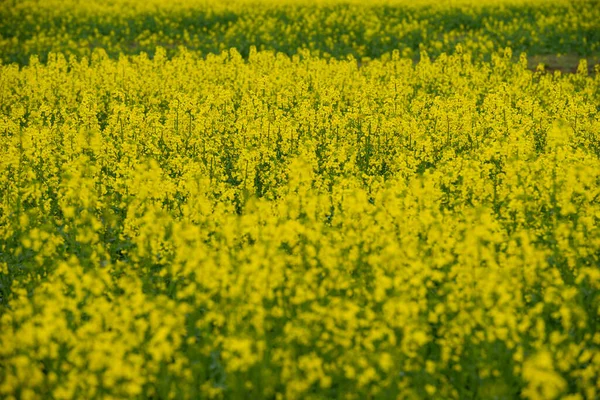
(299, 199)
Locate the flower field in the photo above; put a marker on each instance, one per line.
(299, 200)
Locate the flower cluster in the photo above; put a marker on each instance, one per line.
(297, 227)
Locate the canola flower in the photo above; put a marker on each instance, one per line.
(298, 227)
(337, 28)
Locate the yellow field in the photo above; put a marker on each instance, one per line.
(293, 225)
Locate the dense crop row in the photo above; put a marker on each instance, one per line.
(295, 227)
(334, 27)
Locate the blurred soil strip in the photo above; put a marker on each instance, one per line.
(567, 63)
